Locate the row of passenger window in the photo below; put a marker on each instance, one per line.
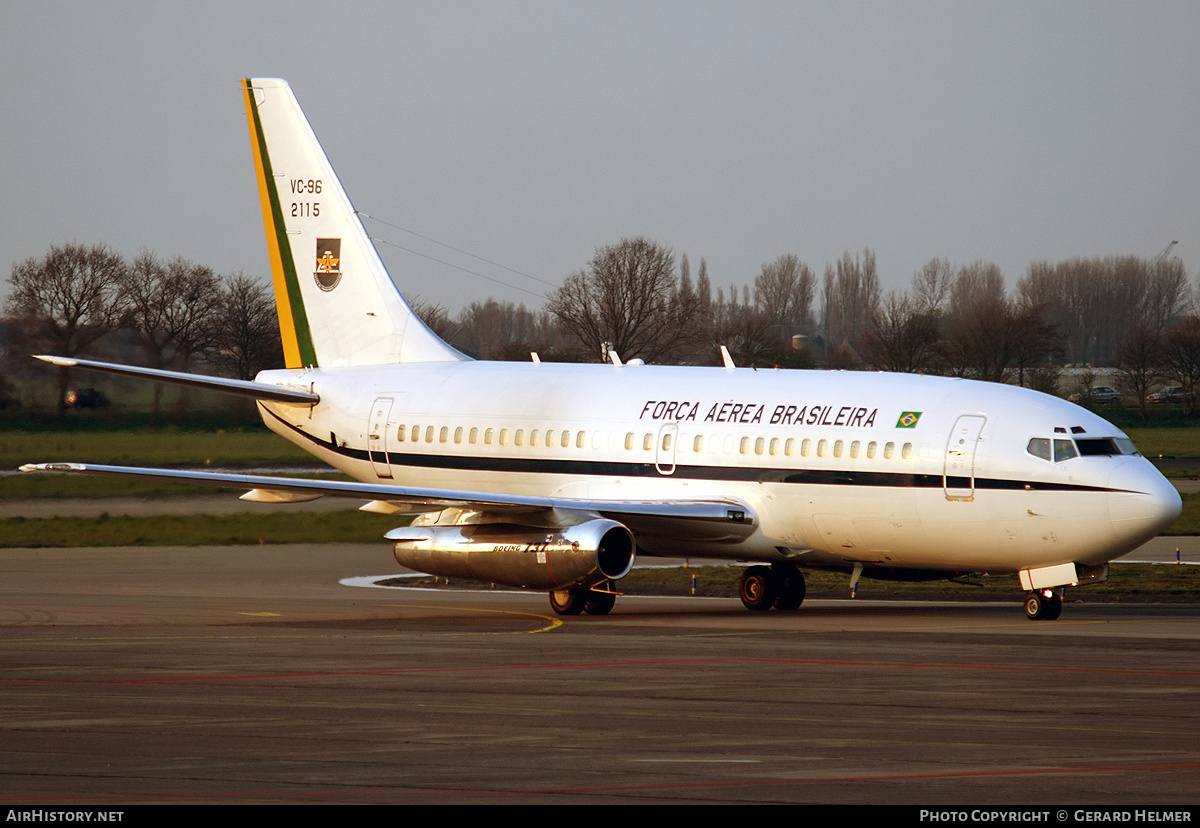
(491, 435)
(715, 442)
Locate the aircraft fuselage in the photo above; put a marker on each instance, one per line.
(888, 470)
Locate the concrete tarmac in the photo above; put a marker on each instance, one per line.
(259, 675)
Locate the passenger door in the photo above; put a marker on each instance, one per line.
(377, 429)
(959, 472)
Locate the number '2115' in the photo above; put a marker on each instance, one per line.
(305, 209)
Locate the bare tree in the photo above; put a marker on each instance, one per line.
(504, 330)
(931, 285)
(171, 308)
(1182, 359)
(66, 301)
(628, 297)
(977, 285)
(246, 337)
(1096, 301)
(747, 332)
(980, 332)
(850, 296)
(1139, 361)
(987, 335)
(1036, 343)
(784, 291)
(903, 336)
(1167, 292)
(435, 317)
(704, 290)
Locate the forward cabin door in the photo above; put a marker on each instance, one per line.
(959, 474)
(377, 430)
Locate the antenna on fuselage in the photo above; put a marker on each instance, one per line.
(726, 358)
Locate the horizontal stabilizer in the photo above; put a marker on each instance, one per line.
(244, 388)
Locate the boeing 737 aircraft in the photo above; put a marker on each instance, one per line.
(554, 476)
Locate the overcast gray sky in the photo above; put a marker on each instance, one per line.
(530, 133)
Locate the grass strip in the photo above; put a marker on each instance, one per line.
(1188, 522)
(1166, 442)
(151, 447)
(51, 485)
(198, 530)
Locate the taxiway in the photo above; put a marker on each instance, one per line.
(253, 674)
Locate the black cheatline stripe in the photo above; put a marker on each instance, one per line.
(604, 468)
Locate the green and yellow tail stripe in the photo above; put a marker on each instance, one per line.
(298, 351)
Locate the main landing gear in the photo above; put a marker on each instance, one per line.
(779, 585)
(575, 601)
(1043, 605)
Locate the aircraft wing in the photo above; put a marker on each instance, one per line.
(716, 520)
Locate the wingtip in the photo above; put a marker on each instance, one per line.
(31, 467)
(63, 362)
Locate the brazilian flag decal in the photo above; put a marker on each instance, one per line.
(908, 419)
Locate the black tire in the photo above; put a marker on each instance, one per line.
(600, 603)
(790, 582)
(568, 601)
(1035, 606)
(758, 588)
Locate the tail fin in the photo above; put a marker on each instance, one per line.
(337, 304)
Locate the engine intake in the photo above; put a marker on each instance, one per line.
(577, 556)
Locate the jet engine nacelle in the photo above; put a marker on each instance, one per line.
(577, 556)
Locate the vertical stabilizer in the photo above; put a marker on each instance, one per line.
(337, 304)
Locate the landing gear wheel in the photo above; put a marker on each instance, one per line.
(568, 601)
(758, 588)
(600, 603)
(790, 583)
(1040, 606)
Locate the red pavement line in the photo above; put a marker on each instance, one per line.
(616, 788)
(569, 666)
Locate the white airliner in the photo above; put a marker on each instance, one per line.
(553, 476)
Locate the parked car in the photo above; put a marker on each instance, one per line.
(1172, 394)
(87, 398)
(1100, 395)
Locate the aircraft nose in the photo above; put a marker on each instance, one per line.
(1143, 502)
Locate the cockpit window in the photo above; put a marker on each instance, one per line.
(1099, 446)
(1061, 450)
(1126, 446)
(1064, 450)
(1039, 447)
